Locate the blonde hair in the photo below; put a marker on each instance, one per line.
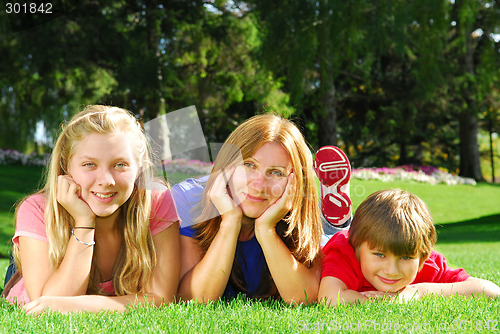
(301, 229)
(137, 257)
(394, 220)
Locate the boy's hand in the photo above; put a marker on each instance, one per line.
(379, 294)
(410, 292)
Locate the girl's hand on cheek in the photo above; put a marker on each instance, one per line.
(68, 195)
(275, 212)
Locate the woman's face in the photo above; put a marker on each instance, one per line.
(105, 168)
(261, 179)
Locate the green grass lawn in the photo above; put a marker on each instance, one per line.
(468, 222)
(16, 182)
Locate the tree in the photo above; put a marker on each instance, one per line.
(475, 70)
(390, 78)
(309, 44)
(329, 55)
(149, 57)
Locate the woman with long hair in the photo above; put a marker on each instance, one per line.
(255, 227)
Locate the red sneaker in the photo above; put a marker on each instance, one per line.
(334, 172)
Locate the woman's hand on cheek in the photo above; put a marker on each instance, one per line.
(277, 211)
(68, 195)
(219, 196)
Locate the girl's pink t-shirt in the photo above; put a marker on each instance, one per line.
(30, 223)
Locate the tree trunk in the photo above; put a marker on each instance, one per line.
(492, 150)
(327, 120)
(403, 152)
(470, 164)
(154, 104)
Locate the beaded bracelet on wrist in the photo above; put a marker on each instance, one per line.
(80, 241)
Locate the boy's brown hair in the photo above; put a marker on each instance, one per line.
(394, 220)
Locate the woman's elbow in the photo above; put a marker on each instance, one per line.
(308, 297)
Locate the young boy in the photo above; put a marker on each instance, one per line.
(388, 252)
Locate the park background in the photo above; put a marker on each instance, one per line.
(390, 82)
(393, 83)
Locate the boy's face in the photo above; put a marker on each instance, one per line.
(386, 271)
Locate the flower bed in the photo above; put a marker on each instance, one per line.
(13, 157)
(193, 167)
(427, 174)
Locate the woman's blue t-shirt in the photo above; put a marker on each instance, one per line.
(250, 257)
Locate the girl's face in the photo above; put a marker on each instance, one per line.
(386, 271)
(105, 168)
(261, 179)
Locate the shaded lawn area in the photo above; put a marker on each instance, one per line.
(473, 245)
(16, 183)
(482, 229)
(448, 204)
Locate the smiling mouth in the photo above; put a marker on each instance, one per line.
(388, 281)
(103, 196)
(255, 199)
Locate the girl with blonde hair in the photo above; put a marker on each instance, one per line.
(256, 226)
(97, 236)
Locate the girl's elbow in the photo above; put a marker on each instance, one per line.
(159, 298)
(167, 298)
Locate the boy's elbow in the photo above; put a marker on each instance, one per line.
(490, 289)
(485, 287)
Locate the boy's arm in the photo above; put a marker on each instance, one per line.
(469, 287)
(332, 291)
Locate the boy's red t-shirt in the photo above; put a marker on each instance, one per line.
(340, 262)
